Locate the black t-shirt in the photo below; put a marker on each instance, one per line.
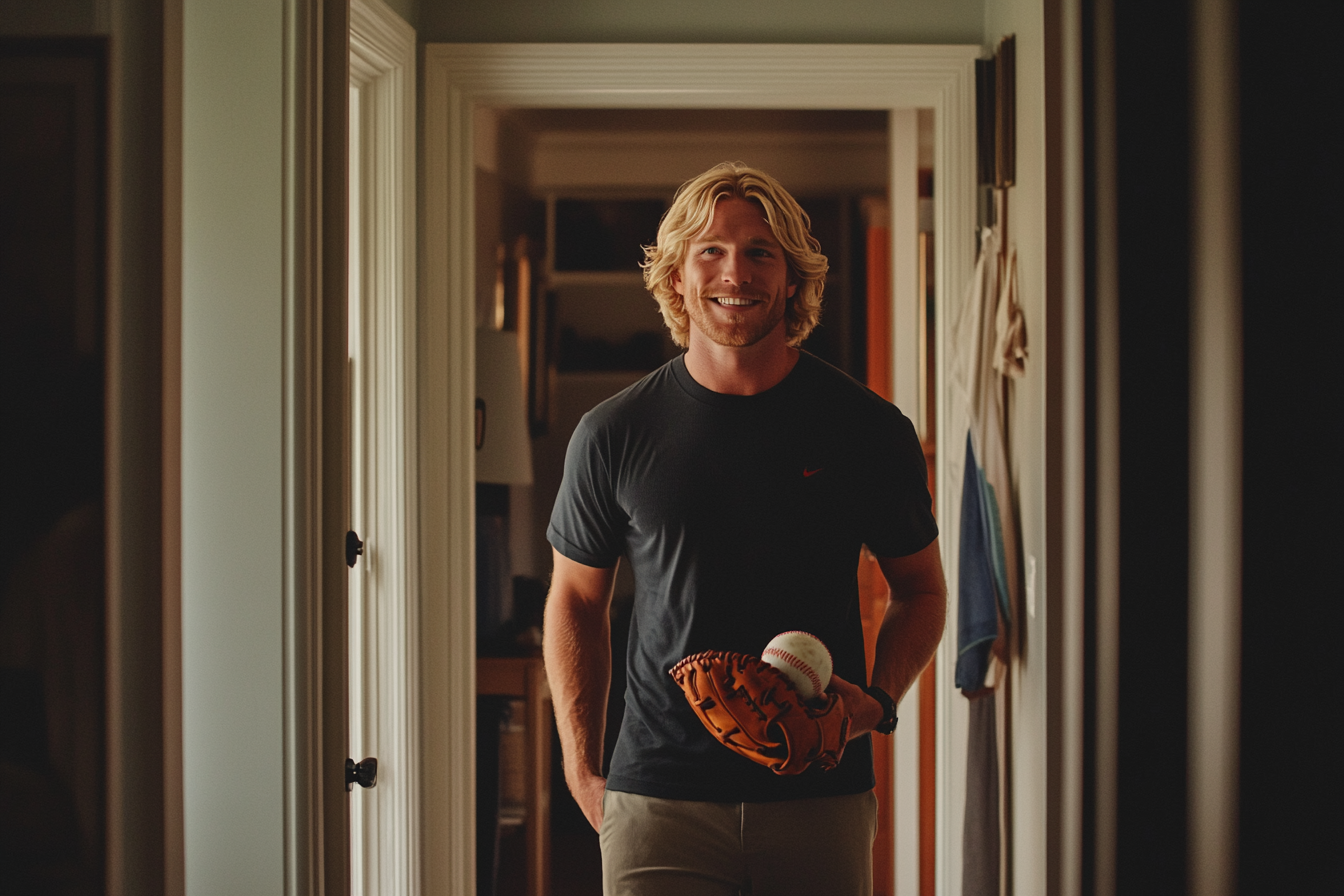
(741, 517)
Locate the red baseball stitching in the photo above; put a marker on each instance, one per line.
(797, 664)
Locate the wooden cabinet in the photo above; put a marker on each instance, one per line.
(525, 678)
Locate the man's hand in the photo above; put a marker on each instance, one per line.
(864, 711)
(587, 790)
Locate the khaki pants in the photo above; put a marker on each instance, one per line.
(817, 847)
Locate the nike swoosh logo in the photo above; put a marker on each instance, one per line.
(807, 472)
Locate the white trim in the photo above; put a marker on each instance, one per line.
(384, 660)
(447, 347)
(905, 793)
(906, 312)
(903, 203)
(460, 76)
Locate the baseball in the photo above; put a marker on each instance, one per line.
(803, 659)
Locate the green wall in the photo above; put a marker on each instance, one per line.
(32, 18)
(698, 21)
(605, 21)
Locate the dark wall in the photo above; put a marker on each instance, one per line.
(1152, 159)
(1289, 140)
(52, 554)
(1291, 200)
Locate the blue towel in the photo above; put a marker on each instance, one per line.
(980, 576)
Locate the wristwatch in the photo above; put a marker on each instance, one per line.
(888, 723)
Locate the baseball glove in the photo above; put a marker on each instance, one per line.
(754, 710)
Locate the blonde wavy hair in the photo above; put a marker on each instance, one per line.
(691, 211)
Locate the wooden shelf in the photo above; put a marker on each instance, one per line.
(525, 678)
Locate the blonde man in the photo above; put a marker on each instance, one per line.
(692, 211)
(740, 480)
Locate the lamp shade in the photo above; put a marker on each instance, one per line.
(503, 445)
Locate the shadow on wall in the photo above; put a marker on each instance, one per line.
(51, 496)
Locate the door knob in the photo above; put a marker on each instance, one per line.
(353, 548)
(365, 773)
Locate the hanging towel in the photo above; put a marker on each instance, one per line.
(1010, 327)
(979, 577)
(980, 829)
(987, 548)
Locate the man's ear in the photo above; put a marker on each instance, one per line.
(676, 283)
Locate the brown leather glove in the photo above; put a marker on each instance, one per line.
(754, 710)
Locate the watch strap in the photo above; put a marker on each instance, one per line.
(888, 723)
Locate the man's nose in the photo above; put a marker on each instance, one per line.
(735, 268)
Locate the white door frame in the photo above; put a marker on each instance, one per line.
(458, 77)
(384, 593)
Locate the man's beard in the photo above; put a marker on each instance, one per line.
(741, 329)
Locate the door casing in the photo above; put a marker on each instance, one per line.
(457, 78)
(384, 594)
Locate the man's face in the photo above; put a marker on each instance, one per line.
(735, 277)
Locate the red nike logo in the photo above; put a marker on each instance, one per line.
(807, 472)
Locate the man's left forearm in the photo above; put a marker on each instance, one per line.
(913, 622)
(907, 640)
(911, 628)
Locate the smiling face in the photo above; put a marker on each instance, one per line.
(735, 278)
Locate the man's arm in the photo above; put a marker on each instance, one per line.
(576, 644)
(911, 628)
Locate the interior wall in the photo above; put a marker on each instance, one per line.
(409, 10)
(232, 447)
(1290, 195)
(1027, 446)
(135, 807)
(24, 17)
(700, 21)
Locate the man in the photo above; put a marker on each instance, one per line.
(740, 480)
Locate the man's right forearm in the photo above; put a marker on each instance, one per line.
(577, 649)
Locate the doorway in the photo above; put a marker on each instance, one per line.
(458, 79)
(565, 200)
